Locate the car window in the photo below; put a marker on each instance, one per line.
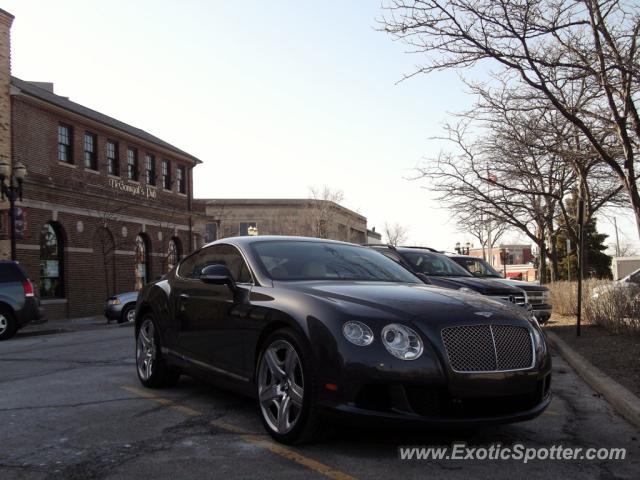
(477, 266)
(305, 260)
(222, 254)
(10, 272)
(434, 264)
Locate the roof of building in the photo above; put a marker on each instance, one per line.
(35, 89)
(270, 202)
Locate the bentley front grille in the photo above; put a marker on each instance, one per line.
(488, 348)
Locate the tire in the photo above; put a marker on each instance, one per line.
(152, 369)
(301, 422)
(7, 323)
(128, 314)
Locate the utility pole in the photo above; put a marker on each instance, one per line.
(580, 260)
(567, 258)
(615, 225)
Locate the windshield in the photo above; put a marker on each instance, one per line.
(434, 264)
(478, 267)
(303, 260)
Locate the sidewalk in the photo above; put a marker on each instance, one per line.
(70, 325)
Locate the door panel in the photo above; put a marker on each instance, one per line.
(208, 327)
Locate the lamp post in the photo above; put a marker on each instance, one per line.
(462, 250)
(504, 255)
(12, 191)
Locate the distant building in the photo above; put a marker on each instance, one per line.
(518, 260)
(305, 217)
(374, 237)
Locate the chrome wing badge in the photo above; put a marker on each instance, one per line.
(484, 314)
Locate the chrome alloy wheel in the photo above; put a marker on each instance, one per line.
(146, 350)
(131, 315)
(4, 324)
(280, 386)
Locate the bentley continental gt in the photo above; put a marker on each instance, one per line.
(315, 328)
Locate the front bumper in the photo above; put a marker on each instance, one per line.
(367, 382)
(112, 311)
(359, 415)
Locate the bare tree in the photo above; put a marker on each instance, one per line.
(322, 206)
(486, 230)
(554, 47)
(395, 233)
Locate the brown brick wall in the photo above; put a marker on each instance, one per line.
(80, 202)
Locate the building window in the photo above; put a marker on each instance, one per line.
(65, 135)
(132, 164)
(113, 160)
(174, 253)
(150, 168)
(141, 261)
(211, 232)
(90, 157)
(51, 264)
(166, 174)
(180, 178)
(248, 228)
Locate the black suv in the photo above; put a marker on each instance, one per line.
(435, 268)
(19, 304)
(538, 295)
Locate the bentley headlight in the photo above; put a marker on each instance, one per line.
(402, 342)
(357, 333)
(467, 290)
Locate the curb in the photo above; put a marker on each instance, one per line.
(623, 401)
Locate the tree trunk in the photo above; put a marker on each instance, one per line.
(542, 268)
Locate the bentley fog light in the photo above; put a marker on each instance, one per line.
(357, 333)
(402, 342)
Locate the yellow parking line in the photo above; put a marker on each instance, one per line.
(272, 447)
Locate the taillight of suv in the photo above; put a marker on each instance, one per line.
(28, 288)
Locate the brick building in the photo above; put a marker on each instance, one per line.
(518, 260)
(106, 207)
(306, 217)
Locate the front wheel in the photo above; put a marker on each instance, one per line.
(286, 389)
(153, 371)
(128, 314)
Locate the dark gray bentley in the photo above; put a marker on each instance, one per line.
(314, 328)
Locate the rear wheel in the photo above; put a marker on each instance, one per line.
(286, 389)
(7, 323)
(128, 314)
(152, 369)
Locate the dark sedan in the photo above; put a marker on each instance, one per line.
(438, 269)
(314, 328)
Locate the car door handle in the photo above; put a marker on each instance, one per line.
(184, 297)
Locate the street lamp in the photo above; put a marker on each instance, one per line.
(504, 255)
(462, 250)
(12, 191)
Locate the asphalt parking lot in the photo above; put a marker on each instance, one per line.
(71, 407)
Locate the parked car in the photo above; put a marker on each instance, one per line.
(121, 308)
(19, 303)
(630, 283)
(315, 328)
(538, 295)
(437, 269)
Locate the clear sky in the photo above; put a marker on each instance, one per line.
(274, 97)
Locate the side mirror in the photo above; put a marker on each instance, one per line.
(217, 275)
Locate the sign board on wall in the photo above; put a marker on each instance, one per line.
(133, 189)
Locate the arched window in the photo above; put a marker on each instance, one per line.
(142, 272)
(174, 254)
(51, 262)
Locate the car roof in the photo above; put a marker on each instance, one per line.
(248, 240)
